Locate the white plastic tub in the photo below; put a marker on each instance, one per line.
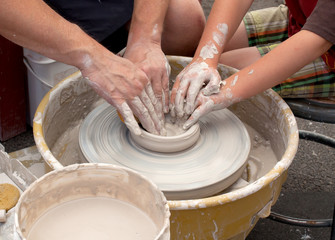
(43, 74)
(37, 88)
(48, 69)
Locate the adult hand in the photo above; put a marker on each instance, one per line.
(151, 60)
(33, 24)
(126, 87)
(188, 85)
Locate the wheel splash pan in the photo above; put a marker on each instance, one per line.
(230, 215)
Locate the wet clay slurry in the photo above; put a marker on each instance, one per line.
(94, 218)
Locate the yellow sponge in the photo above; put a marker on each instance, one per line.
(9, 195)
(121, 118)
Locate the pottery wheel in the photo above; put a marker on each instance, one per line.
(212, 164)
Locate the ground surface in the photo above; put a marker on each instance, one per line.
(309, 191)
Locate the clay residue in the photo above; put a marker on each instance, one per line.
(173, 128)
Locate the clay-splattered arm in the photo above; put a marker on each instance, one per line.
(34, 25)
(144, 49)
(222, 23)
(276, 66)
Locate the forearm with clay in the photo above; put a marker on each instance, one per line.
(144, 49)
(34, 25)
(268, 71)
(222, 22)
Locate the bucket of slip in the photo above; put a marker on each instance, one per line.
(228, 215)
(87, 201)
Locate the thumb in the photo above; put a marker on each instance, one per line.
(202, 110)
(213, 85)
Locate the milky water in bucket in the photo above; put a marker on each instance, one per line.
(94, 218)
(92, 201)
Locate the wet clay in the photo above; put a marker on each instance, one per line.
(177, 139)
(94, 218)
(173, 128)
(261, 158)
(212, 163)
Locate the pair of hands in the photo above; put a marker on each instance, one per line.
(198, 90)
(137, 84)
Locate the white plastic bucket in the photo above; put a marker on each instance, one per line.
(37, 88)
(79, 182)
(49, 70)
(43, 74)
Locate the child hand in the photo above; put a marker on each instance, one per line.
(188, 85)
(205, 104)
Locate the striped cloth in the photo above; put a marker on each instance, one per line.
(266, 29)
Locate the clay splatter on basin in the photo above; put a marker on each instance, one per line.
(227, 215)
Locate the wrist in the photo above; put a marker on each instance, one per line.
(150, 35)
(211, 63)
(84, 51)
(76, 48)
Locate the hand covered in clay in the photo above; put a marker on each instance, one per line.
(205, 104)
(189, 83)
(126, 87)
(151, 60)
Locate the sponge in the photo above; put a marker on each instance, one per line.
(121, 118)
(9, 195)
